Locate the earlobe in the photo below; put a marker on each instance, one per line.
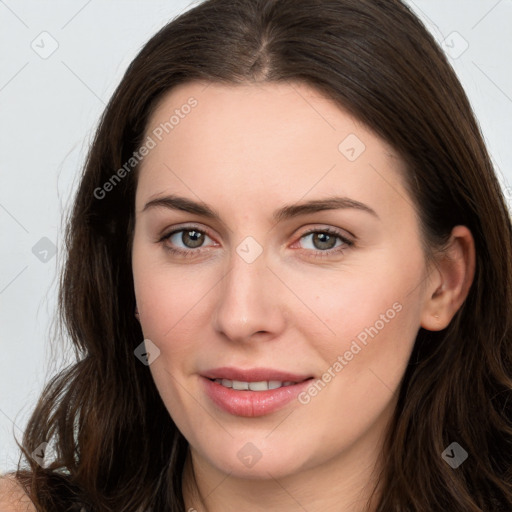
(455, 270)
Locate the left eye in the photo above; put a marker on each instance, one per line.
(323, 240)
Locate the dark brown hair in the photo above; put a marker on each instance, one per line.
(116, 447)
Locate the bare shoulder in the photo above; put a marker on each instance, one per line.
(12, 496)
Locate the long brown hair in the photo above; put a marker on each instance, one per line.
(116, 447)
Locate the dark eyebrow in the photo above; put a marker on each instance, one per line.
(174, 202)
(318, 205)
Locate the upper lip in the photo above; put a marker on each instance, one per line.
(253, 374)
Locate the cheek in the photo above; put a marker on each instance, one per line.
(349, 305)
(365, 326)
(167, 296)
(169, 301)
(363, 364)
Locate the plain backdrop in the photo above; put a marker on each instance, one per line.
(60, 63)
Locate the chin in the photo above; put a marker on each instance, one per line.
(258, 458)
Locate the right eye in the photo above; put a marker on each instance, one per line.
(186, 241)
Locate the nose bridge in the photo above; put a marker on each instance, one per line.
(248, 299)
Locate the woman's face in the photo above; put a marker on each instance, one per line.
(274, 243)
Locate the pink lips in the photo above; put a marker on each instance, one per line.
(249, 403)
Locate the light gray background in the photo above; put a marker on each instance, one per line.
(49, 107)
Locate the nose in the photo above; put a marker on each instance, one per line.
(251, 302)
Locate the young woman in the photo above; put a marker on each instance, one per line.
(288, 278)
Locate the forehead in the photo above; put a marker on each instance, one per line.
(283, 140)
(262, 112)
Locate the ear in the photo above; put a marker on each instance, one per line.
(450, 280)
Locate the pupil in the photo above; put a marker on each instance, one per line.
(326, 241)
(194, 236)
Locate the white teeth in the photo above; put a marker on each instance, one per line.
(253, 386)
(258, 386)
(240, 385)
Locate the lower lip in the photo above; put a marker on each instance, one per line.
(252, 403)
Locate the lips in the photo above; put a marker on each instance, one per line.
(253, 392)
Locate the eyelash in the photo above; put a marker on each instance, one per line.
(315, 253)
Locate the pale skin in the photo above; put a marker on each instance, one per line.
(247, 151)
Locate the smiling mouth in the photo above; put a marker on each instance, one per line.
(263, 385)
(249, 394)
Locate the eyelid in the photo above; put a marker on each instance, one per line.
(184, 227)
(323, 228)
